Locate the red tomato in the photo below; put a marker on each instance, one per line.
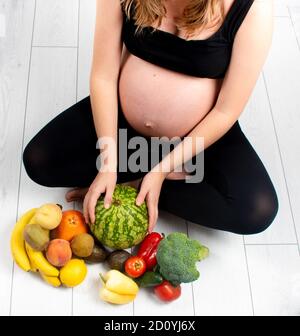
(135, 267)
(167, 292)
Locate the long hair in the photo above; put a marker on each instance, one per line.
(197, 15)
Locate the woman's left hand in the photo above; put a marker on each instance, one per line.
(149, 192)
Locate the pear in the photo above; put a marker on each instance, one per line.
(48, 216)
(36, 237)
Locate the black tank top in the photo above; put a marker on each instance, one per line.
(207, 58)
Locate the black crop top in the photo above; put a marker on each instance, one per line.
(207, 58)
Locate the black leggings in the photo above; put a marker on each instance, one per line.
(235, 195)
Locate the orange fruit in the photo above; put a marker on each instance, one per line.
(71, 225)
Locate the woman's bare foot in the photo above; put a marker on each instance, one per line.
(135, 184)
(76, 194)
(172, 176)
(177, 175)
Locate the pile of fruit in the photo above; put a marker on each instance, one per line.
(57, 245)
(54, 243)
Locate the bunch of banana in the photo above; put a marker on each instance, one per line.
(26, 257)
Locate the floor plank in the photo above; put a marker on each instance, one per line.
(280, 8)
(257, 124)
(86, 300)
(283, 66)
(295, 16)
(15, 47)
(275, 279)
(56, 23)
(146, 303)
(223, 287)
(52, 88)
(85, 47)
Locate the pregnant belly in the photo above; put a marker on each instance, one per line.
(160, 102)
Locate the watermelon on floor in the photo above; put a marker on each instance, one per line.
(124, 224)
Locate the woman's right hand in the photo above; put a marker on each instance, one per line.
(104, 182)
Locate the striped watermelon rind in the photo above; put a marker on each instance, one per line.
(124, 224)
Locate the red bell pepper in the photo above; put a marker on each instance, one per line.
(148, 249)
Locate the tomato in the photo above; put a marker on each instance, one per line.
(167, 292)
(135, 267)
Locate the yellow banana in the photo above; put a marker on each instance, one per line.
(41, 263)
(33, 267)
(32, 220)
(17, 241)
(53, 281)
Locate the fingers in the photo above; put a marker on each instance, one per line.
(108, 196)
(91, 199)
(141, 196)
(104, 182)
(151, 196)
(85, 212)
(89, 205)
(152, 205)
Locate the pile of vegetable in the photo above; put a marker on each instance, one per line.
(162, 263)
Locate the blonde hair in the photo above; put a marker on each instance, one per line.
(198, 14)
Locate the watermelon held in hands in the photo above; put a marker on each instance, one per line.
(124, 224)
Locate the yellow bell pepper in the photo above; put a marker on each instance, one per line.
(118, 288)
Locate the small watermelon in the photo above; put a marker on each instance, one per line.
(124, 224)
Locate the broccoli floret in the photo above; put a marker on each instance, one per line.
(177, 255)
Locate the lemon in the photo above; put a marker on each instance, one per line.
(73, 273)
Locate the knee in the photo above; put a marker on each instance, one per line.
(36, 163)
(258, 214)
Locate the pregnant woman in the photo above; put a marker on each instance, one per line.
(182, 68)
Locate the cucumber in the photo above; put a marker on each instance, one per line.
(149, 279)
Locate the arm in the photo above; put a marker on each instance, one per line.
(104, 97)
(250, 50)
(105, 69)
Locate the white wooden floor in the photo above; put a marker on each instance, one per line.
(45, 53)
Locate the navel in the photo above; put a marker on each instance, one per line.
(149, 124)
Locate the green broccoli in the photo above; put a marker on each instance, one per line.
(177, 255)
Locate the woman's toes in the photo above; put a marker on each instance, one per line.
(135, 184)
(70, 195)
(76, 194)
(177, 176)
